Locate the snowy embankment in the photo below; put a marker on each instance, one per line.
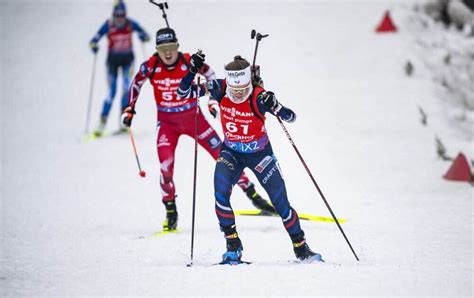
(73, 213)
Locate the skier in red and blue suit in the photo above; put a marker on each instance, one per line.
(176, 114)
(243, 104)
(119, 31)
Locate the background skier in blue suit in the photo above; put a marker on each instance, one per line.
(119, 31)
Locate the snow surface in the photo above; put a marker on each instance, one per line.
(73, 212)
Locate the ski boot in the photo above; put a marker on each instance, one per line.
(258, 201)
(100, 130)
(302, 250)
(122, 128)
(121, 131)
(234, 247)
(171, 222)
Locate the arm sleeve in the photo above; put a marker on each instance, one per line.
(141, 33)
(281, 111)
(137, 83)
(261, 107)
(216, 88)
(104, 29)
(187, 88)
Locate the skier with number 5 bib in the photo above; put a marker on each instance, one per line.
(243, 104)
(176, 112)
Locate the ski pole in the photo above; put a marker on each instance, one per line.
(162, 6)
(141, 172)
(316, 185)
(259, 37)
(91, 92)
(195, 168)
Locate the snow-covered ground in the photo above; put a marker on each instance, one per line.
(72, 213)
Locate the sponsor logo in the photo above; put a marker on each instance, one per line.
(235, 74)
(226, 162)
(263, 164)
(269, 174)
(206, 133)
(163, 141)
(167, 82)
(233, 137)
(234, 112)
(214, 142)
(184, 67)
(165, 36)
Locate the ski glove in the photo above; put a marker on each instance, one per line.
(287, 115)
(94, 47)
(272, 104)
(127, 116)
(197, 61)
(213, 107)
(144, 37)
(270, 101)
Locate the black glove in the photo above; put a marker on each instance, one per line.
(94, 47)
(127, 116)
(197, 61)
(270, 101)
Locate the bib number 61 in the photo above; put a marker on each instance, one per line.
(232, 127)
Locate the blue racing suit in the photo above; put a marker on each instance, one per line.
(120, 55)
(262, 162)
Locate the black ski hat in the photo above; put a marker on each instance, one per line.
(165, 35)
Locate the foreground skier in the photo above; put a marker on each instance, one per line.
(243, 105)
(176, 116)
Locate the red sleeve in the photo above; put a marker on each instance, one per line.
(187, 57)
(142, 75)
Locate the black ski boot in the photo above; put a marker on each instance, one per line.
(302, 250)
(234, 247)
(258, 201)
(171, 222)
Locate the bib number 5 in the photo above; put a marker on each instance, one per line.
(168, 95)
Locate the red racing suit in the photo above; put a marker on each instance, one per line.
(175, 115)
